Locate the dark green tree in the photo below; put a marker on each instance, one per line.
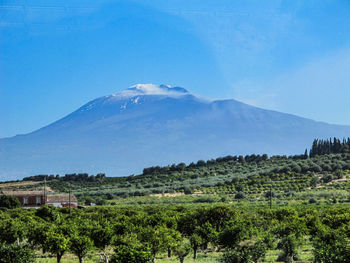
(16, 254)
(196, 241)
(102, 236)
(331, 245)
(80, 245)
(56, 243)
(10, 202)
(291, 232)
(129, 249)
(12, 231)
(182, 249)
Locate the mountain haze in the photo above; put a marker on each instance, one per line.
(148, 125)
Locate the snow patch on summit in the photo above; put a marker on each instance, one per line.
(136, 100)
(135, 95)
(151, 89)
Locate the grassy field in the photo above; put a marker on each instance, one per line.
(16, 185)
(212, 257)
(305, 256)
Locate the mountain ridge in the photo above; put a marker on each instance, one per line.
(148, 124)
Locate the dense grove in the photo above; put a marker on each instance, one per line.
(253, 175)
(150, 233)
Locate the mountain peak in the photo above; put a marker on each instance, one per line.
(150, 124)
(132, 95)
(152, 89)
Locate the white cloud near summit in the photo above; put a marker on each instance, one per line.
(152, 89)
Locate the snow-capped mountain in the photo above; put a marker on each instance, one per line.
(148, 125)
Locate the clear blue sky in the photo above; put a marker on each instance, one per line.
(291, 56)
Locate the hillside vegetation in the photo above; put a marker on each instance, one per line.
(322, 174)
(233, 209)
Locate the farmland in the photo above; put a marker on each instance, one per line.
(211, 232)
(232, 209)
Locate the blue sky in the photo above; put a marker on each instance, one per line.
(290, 56)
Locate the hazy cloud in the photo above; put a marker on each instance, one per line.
(318, 90)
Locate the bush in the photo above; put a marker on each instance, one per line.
(236, 256)
(128, 254)
(109, 196)
(204, 199)
(240, 195)
(9, 202)
(312, 201)
(327, 178)
(188, 190)
(100, 201)
(331, 246)
(240, 188)
(194, 176)
(270, 194)
(314, 181)
(16, 254)
(48, 213)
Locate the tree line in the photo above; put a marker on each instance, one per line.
(319, 147)
(335, 145)
(74, 177)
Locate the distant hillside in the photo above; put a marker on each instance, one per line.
(149, 125)
(251, 176)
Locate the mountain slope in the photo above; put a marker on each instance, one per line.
(147, 125)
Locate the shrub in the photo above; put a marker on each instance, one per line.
(16, 254)
(312, 201)
(327, 178)
(204, 199)
(9, 202)
(269, 194)
(240, 188)
(240, 195)
(236, 256)
(129, 254)
(188, 190)
(314, 181)
(194, 176)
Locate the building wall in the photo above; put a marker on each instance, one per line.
(31, 200)
(63, 204)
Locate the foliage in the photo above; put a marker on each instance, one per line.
(141, 233)
(10, 202)
(129, 250)
(56, 242)
(182, 249)
(240, 195)
(11, 230)
(182, 209)
(331, 245)
(320, 147)
(16, 254)
(80, 245)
